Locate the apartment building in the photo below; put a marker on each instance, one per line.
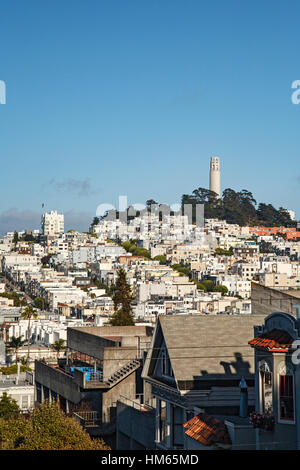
(194, 365)
(52, 223)
(20, 387)
(102, 364)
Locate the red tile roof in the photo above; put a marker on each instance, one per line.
(274, 341)
(207, 429)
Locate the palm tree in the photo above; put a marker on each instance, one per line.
(16, 343)
(23, 360)
(58, 346)
(28, 314)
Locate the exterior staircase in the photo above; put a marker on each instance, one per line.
(123, 372)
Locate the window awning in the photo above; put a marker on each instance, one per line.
(207, 429)
(273, 341)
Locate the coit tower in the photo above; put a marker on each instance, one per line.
(215, 176)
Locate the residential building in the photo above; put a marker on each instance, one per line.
(102, 364)
(20, 387)
(52, 223)
(194, 365)
(277, 375)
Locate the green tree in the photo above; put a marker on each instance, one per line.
(16, 343)
(28, 237)
(220, 288)
(46, 259)
(285, 218)
(16, 238)
(39, 302)
(209, 285)
(181, 269)
(266, 214)
(47, 428)
(161, 258)
(28, 314)
(23, 361)
(199, 285)
(237, 207)
(9, 408)
(132, 248)
(10, 370)
(149, 203)
(221, 251)
(122, 299)
(95, 221)
(58, 346)
(212, 204)
(15, 297)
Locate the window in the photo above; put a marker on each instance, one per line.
(266, 392)
(166, 365)
(177, 428)
(162, 421)
(286, 397)
(265, 381)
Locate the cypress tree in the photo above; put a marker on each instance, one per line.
(122, 299)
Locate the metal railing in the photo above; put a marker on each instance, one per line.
(87, 418)
(92, 377)
(135, 404)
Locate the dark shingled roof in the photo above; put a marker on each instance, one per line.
(197, 343)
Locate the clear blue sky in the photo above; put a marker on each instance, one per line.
(132, 97)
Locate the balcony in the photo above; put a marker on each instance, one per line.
(89, 377)
(90, 421)
(87, 419)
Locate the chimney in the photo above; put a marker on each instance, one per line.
(243, 398)
(18, 372)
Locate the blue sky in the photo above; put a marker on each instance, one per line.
(128, 97)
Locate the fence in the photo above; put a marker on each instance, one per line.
(87, 418)
(136, 404)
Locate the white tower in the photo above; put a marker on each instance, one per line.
(215, 176)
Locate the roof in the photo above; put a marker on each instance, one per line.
(273, 341)
(113, 338)
(207, 430)
(109, 331)
(202, 346)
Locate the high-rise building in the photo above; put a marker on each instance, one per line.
(215, 176)
(52, 223)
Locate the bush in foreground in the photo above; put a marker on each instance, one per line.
(47, 428)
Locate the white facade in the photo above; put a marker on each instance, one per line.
(291, 214)
(23, 394)
(52, 223)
